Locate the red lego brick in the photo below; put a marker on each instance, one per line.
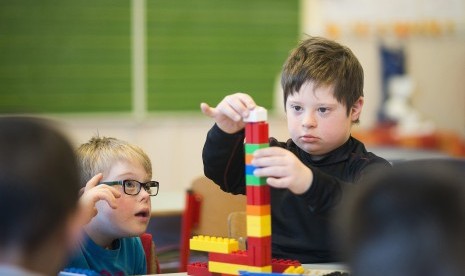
(237, 257)
(279, 265)
(198, 269)
(256, 133)
(258, 195)
(259, 251)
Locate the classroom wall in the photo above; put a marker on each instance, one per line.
(437, 66)
(432, 35)
(174, 141)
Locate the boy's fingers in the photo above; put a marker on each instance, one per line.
(107, 194)
(246, 99)
(115, 192)
(237, 106)
(110, 190)
(207, 110)
(270, 151)
(93, 181)
(231, 113)
(247, 102)
(212, 112)
(111, 200)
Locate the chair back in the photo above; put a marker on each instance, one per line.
(153, 266)
(206, 213)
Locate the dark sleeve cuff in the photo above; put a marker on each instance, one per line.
(217, 133)
(324, 193)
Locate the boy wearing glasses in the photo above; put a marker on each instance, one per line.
(111, 245)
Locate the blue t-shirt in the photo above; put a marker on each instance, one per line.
(127, 258)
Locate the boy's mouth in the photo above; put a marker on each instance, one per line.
(144, 213)
(308, 138)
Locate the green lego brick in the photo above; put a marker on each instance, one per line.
(250, 148)
(253, 180)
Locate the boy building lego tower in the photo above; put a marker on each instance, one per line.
(224, 256)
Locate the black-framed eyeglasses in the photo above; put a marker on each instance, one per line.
(133, 187)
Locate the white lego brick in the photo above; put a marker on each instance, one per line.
(258, 114)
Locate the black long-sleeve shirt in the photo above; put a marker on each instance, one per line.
(300, 223)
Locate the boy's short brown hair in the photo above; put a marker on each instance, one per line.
(100, 153)
(326, 63)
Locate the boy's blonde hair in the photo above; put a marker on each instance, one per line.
(100, 153)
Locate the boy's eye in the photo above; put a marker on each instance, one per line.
(130, 184)
(296, 107)
(322, 109)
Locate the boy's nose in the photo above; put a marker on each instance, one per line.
(144, 194)
(309, 120)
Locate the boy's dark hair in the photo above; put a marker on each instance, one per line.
(409, 220)
(324, 62)
(39, 182)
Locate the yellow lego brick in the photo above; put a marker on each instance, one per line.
(258, 226)
(233, 269)
(294, 270)
(213, 244)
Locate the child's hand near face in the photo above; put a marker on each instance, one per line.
(229, 113)
(282, 169)
(93, 193)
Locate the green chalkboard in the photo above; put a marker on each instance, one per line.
(205, 49)
(65, 56)
(71, 56)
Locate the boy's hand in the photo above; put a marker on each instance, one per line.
(282, 169)
(229, 113)
(93, 193)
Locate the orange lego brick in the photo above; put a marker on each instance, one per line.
(248, 158)
(258, 210)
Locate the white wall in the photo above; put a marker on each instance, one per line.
(435, 60)
(173, 142)
(437, 66)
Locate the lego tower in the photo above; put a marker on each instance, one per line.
(258, 193)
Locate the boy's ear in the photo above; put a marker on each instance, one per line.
(356, 109)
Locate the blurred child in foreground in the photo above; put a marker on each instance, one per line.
(39, 187)
(407, 221)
